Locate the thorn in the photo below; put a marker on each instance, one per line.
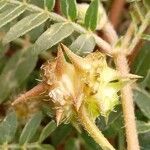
(78, 61)
(78, 101)
(35, 91)
(60, 62)
(133, 76)
(130, 76)
(78, 104)
(59, 114)
(106, 119)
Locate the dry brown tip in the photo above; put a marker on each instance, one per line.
(78, 61)
(60, 62)
(59, 114)
(35, 91)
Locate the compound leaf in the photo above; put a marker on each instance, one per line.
(17, 69)
(25, 25)
(11, 14)
(52, 36)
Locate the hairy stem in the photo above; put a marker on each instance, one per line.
(128, 36)
(116, 12)
(127, 99)
(111, 36)
(92, 129)
(127, 105)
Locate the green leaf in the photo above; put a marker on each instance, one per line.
(141, 64)
(142, 99)
(121, 140)
(72, 144)
(72, 9)
(143, 127)
(135, 20)
(84, 44)
(30, 128)
(64, 7)
(47, 130)
(138, 10)
(2, 50)
(69, 8)
(131, 1)
(146, 81)
(146, 37)
(61, 133)
(147, 4)
(3, 58)
(47, 147)
(48, 111)
(89, 142)
(3, 61)
(144, 141)
(91, 17)
(112, 119)
(25, 25)
(2, 4)
(49, 4)
(17, 69)
(52, 36)
(8, 128)
(11, 14)
(115, 127)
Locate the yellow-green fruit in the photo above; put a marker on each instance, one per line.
(85, 81)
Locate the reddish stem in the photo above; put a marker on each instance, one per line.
(116, 12)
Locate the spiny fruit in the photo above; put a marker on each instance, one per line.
(87, 81)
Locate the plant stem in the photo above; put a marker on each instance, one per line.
(112, 36)
(137, 37)
(120, 59)
(128, 36)
(92, 129)
(116, 12)
(127, 105)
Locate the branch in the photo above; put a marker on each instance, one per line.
(127, 97)
(57, 7)
(116, 12)
(127, 105)
(92, 129)
(110, 33)
(128, 36)
(135, 52)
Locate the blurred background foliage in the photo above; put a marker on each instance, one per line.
(20, 69)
